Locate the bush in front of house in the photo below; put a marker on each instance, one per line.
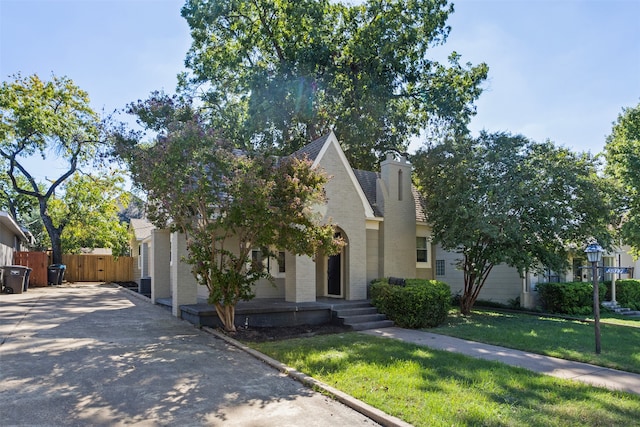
(418, 304)
(628, 293)
(568, 297)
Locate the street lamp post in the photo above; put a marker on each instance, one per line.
(594, 255)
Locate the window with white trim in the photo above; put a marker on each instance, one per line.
(422, 251)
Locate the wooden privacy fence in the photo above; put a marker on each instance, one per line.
(98, 268)
(38, 262)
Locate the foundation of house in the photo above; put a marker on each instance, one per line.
(261, 312)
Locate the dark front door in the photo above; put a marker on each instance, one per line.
(333, 274)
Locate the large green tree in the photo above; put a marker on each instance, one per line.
(226, 202)
(18, 205)
(51, 119)
(87, 213)
(501, 198)
(279, 73)
(622, 152)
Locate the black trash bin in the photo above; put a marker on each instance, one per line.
(144, 287)
(55, 274)
(15, 278)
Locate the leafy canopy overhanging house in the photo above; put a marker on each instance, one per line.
(381, 219)
(378, 214)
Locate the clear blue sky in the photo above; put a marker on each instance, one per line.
(559, 69)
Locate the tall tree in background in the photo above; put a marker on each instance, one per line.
(87, 214)
(622, 152)
(52, 119)
(504, 199)
(226, 202)
(18, 205)
(279, 73)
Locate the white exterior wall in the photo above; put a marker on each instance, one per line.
(159, 264)
(184, 289)
(373, 257)
(398, 231)
(345, 207)
(300, 279)
(137, 262)
(622, 258)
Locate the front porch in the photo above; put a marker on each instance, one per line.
(270, 312)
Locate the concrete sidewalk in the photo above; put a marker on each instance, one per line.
(101, 355)
(590, 374)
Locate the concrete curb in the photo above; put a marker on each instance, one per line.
(375, 414)
(133, 293)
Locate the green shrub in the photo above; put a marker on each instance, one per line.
(628, 293)
(418, 304)
(569, 297)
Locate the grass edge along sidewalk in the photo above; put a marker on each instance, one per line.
(430, 387)
(561, 337)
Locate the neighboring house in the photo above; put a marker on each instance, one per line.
(140, 241)
(12, 238)
(505, 285)
(378, 214)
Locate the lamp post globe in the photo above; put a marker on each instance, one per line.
(594, 252)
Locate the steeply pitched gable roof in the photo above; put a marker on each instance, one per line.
(367, 180)
(312, 149)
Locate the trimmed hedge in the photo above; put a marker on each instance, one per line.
(418, 304)
(628, 293)
(569, 297)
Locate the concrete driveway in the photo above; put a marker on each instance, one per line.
(92, 354)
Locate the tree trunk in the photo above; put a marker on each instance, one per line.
(227, 315)
(54, 235)
(466, 304)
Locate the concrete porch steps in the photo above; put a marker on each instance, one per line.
(616, 308)
(359, 316)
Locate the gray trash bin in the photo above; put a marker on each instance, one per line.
(15, 278)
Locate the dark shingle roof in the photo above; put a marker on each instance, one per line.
(367, 181)
(312, 149)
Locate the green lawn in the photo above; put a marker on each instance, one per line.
(434, 388)
(567, 339)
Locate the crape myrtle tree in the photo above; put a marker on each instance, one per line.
(622, 152)
(279, 73)
(501, 198)
(225, 201)
(51, 119)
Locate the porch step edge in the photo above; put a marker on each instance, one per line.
(354, 311)
(351, 320)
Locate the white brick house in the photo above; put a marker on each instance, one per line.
(376, 213)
